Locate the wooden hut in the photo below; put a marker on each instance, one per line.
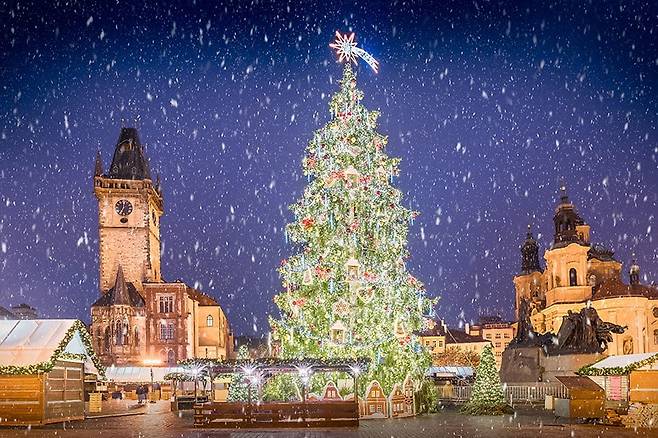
(401, 399)
(627, 377)
(331, 392)
(375, 403)
(42, 370)
(586, 398)
(396, 402)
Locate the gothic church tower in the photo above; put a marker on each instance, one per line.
(129, 210)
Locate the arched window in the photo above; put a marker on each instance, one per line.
(107, 339)
(171, 357)
(118, 333)
(573, 277)
(209, 321)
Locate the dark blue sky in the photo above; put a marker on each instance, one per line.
(488, 104)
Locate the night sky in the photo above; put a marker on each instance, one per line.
(488, 104)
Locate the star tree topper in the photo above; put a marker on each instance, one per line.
(346, 49)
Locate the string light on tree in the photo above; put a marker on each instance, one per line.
(347, 293)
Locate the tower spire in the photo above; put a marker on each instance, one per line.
(530, 254)
(564, 197)
(98, 170)
(634, 272)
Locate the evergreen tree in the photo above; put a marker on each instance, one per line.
(487, 396)
(238, 390)
(347, 291)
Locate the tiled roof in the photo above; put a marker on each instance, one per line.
(452, 336)
(201, 298)
(614, 287)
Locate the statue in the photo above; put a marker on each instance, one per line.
(584, 332)
(526, 336)
(580, 332)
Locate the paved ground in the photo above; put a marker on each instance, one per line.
(158, 422)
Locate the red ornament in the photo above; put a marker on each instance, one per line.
(308, 223)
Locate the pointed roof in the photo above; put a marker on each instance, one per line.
(98, 169)
(120, 296)
(123, 293)
(129, 160)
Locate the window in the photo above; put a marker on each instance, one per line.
(488, 336)
(497, 344)
(166, 303)
(166, 331)
(573, 277)
(655, 312)
(209, 321)
(171, 358)
(655, 337)
(506, 335)
(497, 335)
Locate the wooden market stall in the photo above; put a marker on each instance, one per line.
(42, 371)
(329, 410)
(586, 399)
(631, 387)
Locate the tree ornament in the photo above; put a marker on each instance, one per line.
(341, 307)
(308, 277)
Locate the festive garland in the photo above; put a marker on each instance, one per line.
(589, 370)
(273, 362)
(60, 354)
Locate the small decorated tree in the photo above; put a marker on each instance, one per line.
(239, 391)
(487, 397)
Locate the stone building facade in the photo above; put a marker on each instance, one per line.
(580, 273)
(140, 316)
(494, 329)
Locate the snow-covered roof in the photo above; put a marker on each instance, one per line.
(621, 360)
(31, 342)
(128, 374)
(446, 371)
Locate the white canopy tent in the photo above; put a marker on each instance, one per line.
(141, 374)
(31, 342)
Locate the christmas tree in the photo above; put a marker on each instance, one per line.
(238, 390)
(347, 291)
(487, 397)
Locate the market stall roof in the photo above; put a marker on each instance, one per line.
(450, 371)
(621, 364)
(141, 374)
(579, 382)
(31, 346)
(621, 360)
(276, 365)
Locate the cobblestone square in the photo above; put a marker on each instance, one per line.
(158, 422)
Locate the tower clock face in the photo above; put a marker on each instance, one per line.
(123, 207)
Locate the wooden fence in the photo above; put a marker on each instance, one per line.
(535, 393)
(277, 415)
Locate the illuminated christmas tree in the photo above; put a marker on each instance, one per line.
(238, 390)
(487, 397)
(347, 292)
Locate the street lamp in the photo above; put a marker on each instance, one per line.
(151, 363)
(196, 372)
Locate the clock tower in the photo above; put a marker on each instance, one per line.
(129, 211)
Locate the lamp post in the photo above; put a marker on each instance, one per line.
(151, 363)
